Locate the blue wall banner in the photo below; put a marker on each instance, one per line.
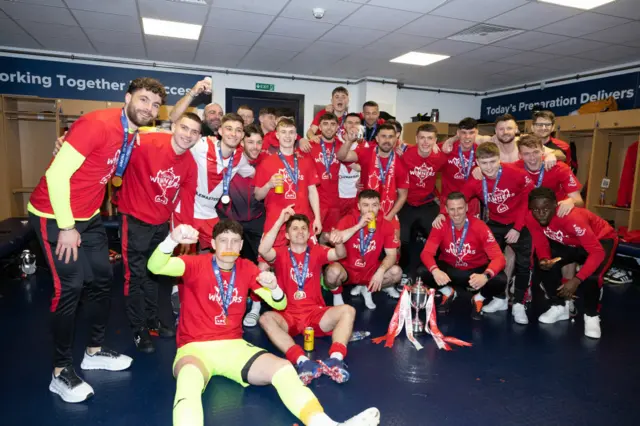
(566, 98)
(71, 80)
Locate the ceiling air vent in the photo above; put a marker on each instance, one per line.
(484, 34)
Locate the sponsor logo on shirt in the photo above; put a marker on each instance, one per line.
(422, 173)
(292, 273)
(216, 298)
(290, 188)
(579, 231)
(500, 197)
(558, 236)
(572, 182)
(166, 179)
(466, 250)
(113, 162)
(456, 162)
(490, 237)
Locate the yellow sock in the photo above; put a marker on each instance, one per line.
(296, 397)
(187, 405)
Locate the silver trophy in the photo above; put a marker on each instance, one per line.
(419, 297)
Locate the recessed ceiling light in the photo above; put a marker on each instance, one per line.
(159, 27)
(418, 58)
(579, 4)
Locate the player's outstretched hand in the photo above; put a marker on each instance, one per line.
(184, 234)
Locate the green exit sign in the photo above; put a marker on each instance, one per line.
(265, 86)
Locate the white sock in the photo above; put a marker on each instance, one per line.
(446, 290)
(321, 419)
(338, 300)
(368, 299)
(337, 355)
(301, 359)
(174, 290)
(478, 297)
(255, 307)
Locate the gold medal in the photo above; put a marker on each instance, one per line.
(116, 181)
(299, 295)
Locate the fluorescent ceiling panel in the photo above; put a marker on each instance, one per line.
(159, 27)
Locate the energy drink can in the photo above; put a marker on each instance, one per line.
(308, 339)
(371, 226)
(279, 189)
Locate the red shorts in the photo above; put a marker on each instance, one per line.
(347, 205)
(298, 321)
(357, 276)
(329, 216)
(205, 230)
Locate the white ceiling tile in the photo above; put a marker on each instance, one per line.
(404, 42)
(271, 41)
(327, 48)
(37, 13)
(112, 37)
(381, 51)
(379, 18)
(7, 26)
(335, 10)
(175, 56)
(571, 64)
(530, 40)
(261, 58)
(130, 50)
(490, 53)
(621, 34)
(474, 10)
(15, 39)
(633, 43)
(353, 35)
(622, 8)
(435, 26)
(584, 23)
(353, 64)
(534, 15)
(493, 67)
(42, 30)
(216, 60)
(173, 11)
(528, 58)
(422, 6)
(271, 7)
(79, 45)
(612, 54)
(223, 50)
(240, 38)
(56, 3)
(572, 47)
(535, 73)
(105, 21)
(298, 28)
(237, 20)
(116, 7)
(449, 47)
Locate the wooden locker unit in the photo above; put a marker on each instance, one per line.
(572, 123)
(409, 131)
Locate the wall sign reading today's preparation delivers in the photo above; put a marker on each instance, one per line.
(70, 80)
(566, 98)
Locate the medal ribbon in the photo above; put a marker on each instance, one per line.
(463, 237)
(127, 147)
(228, 295)
(327, 161)
(301, 275)
(466, 170)
(384, 172)
(365, 241)
(226, 173)
(495, 185)
(540, 177)
(293, 174)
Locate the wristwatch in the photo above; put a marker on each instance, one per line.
(488, 275)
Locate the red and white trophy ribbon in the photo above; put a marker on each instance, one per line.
(402, 318)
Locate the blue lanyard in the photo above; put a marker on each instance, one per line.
(495, 185)
(301, 275)
(385, 171)
(463, 237)
(293, 174)
(373, 132)
(226, 174)
(327, 161)
(125, 151)
(466, 170)
(365, 241)
(540, 177)
(228, 295)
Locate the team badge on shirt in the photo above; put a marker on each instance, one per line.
(166, 179)
(466, 250)
(113, 162)
(555, 236)
(422, 173)
(217, 298)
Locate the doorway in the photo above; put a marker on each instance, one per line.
(257, 99)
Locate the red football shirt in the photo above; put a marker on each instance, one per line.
(554, 143)
(580, 228)
(155, 177)
(328, 187)
(507, 202)
(287, 280)
(201, 315)
(275, 203)
(480, 248)
(560, 179)
(453, 177)
(383, 238)
(422, 174)
(98, 136)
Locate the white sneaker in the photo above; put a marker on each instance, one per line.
(618, 276)
(368, 299)
(392, 292)
(70, 387)
(369, 417)
(519, 314)
(554, 313)
(356, 290)
(495, 305)
(571, 308)
(338, 300)
(592, 326)
(106, 359)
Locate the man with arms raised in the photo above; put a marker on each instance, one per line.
(339, 106)
(469, 258)
(64, 211)
(365, 233)
(298, 268)
(201, 93)
(350, 173)
(209, 336)
(580, 237)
